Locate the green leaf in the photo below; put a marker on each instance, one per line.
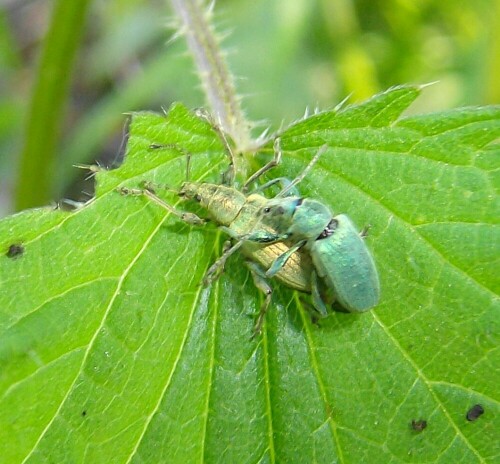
(112, 351)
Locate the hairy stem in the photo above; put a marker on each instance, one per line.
(212, 68)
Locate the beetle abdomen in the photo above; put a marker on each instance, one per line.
(344, 262)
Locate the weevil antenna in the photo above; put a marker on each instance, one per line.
(178, 148)
(268, 166)
(304, 173)
(228, 176)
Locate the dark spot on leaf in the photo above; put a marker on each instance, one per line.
(474, 412)
(16, 250)
(418, 425)
(84, 413)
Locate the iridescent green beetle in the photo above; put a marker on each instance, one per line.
(342, 261)
(345, 264)
(339, 254)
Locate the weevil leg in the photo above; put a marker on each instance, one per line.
(181, 150)
(317, 299)
(149, 193)
(226, 246)
(228, 175)
(263, 236)
(303, 174)
(284, 183)
(230, 232)
(171, 146)
(153, 186)
(281, 260)
(216, 269)
(259, 236)
(364, 231)
(267, 167)
(259, 279)
(315, 317)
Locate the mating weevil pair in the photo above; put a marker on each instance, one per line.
(298, 241)
(341, 259)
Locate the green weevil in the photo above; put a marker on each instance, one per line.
(236, 213)
(341, 259)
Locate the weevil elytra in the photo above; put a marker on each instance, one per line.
(345, 264)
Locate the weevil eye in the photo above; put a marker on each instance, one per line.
(197, 197)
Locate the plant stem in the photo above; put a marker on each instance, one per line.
(213, 71)
(47, 103)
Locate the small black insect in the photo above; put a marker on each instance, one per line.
(84, 413)
(474, 412)
(418, 425)
(15, 250)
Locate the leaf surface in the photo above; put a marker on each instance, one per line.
(112, 351)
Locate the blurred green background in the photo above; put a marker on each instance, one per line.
(287, 56)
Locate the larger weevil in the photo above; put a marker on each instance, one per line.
(341, 259)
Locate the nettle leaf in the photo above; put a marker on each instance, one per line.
(112, 351)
